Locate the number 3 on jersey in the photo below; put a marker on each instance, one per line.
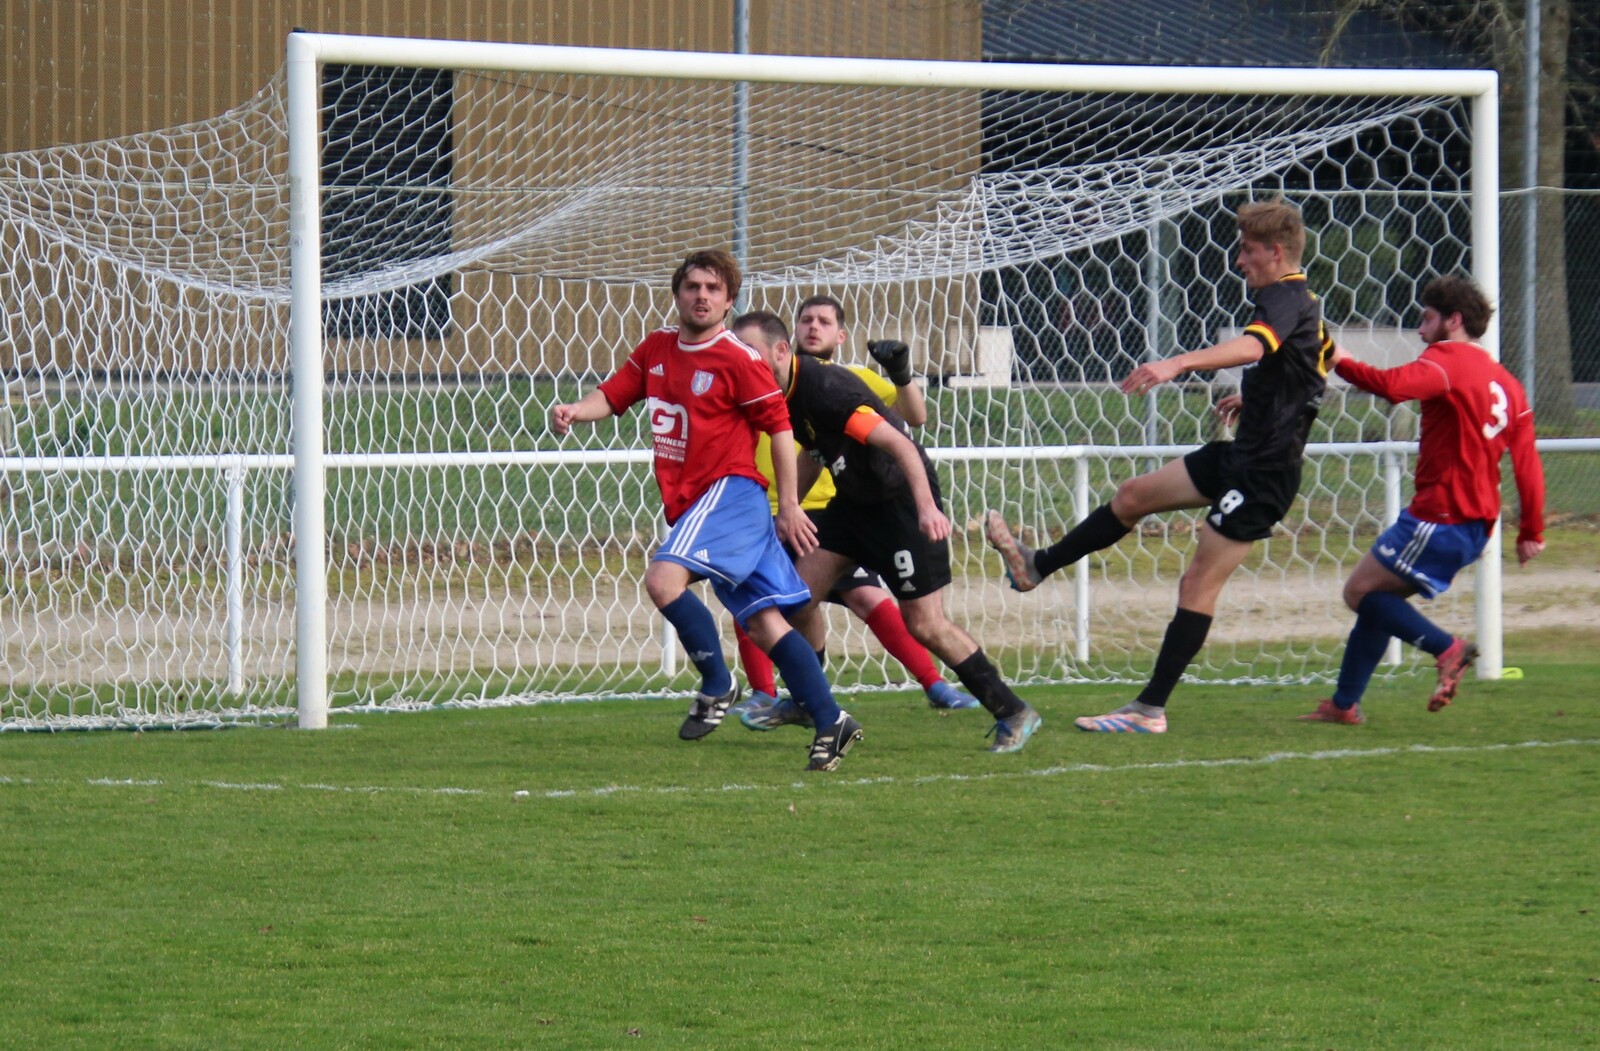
(1497, 411)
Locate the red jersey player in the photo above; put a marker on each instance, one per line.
(706, 392)
(1473, 411)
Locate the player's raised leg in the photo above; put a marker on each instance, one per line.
(1168, 488)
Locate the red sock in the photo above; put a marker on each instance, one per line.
(757, 665)
(889, 626)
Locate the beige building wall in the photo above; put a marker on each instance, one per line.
(80, 70)
(85, 71)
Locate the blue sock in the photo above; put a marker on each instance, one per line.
(802, 674)
(697, 630)
(1404, 621)
(1362, 652)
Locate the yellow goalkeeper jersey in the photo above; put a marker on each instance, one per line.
(823, 491)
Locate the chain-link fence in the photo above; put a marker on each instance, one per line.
(1563, 288)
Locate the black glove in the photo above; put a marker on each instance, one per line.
(894, 356)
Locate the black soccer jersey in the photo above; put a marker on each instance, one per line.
(832, 410)
(1284, 389)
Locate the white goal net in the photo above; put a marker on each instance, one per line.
(495, 240)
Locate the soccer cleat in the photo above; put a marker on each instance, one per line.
(1125, 720)
(779, 713)
(945, 696)
(1452, 664)
(1011, 734)
(705, 714)
(829, 746)
(1328, 712)
(1016, 558)
(756, 699)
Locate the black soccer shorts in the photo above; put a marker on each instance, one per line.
(1246, 502)
(857, 577)
(885, 537)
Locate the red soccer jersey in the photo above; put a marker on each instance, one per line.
(1472, 412)
(705, 401)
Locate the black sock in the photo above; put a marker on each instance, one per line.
(1100, 530)
(982, 679)
(1186, 633)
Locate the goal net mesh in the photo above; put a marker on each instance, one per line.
(495, 242)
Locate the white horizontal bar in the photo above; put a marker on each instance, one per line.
(577, 458)
(1016, 76)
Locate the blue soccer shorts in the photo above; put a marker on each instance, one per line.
(1429, 554)
(727, 536)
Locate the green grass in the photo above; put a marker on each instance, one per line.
(573, 876)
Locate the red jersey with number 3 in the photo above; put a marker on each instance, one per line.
(705, 403)
(1473, 410)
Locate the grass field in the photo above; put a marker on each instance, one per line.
(574, 876)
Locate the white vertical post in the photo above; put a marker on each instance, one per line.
(741, 139)
(235, 578)
(1080, 572)
(1391, 514)
(306, 364)
(1485, 182)
(1530, 185)
(1152, 327)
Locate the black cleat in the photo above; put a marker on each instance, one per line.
(705, 714)
(830, 745)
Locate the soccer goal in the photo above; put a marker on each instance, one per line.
(277, 382)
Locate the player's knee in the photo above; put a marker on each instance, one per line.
(1128, 504)
(765, 628)
(922, 625)
(863, 601)
(808, 621)
(937, 633)
(663, 588)
(1353, 594)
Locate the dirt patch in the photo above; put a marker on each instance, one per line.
(611, 624)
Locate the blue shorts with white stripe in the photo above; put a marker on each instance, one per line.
(1429, 554)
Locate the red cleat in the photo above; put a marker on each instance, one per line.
(1452, 664)
(1328, 712)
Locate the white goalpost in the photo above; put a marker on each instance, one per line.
(278, 381)
(308, 51)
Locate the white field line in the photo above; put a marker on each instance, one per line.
(823, 781)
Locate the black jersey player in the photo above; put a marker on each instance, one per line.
(887, 515)
(1248, 483)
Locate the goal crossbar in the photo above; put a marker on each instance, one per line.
(868, 72)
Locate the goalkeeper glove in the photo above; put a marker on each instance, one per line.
(894, 356)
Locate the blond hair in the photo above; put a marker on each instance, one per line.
(1274, 222)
